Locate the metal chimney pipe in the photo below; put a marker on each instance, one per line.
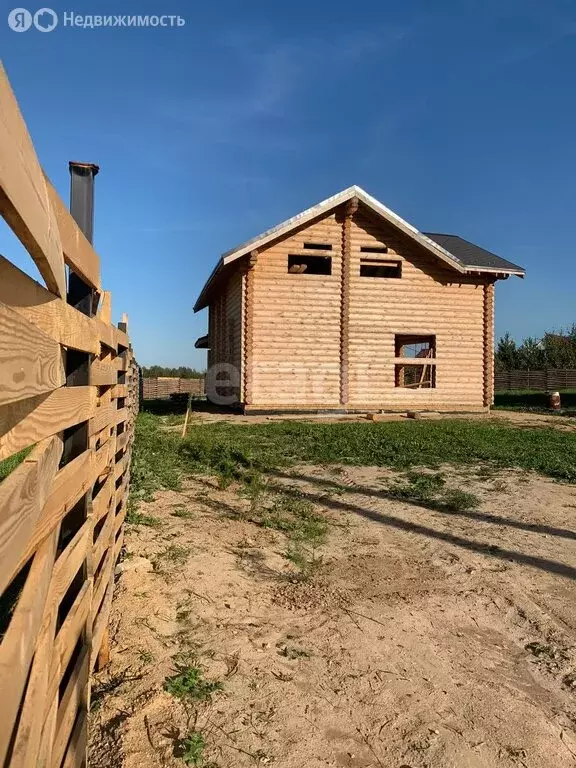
(82, 196)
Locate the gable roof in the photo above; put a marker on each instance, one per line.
(436, 248)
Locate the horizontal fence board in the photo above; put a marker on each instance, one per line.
(28, 421)
(24, 200)
(32, 362)
(103, 374)
(59, 320)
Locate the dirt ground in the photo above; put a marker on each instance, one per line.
(425, 640)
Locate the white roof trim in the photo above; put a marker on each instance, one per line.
(327, 205)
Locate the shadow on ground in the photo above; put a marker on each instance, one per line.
(484, 548)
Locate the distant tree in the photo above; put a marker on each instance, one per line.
(182, 372)
(556, 349)
(531, 355)
(506, 357)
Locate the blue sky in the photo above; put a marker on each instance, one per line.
(459, 115)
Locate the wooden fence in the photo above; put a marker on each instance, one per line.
(68, 396)
(162, 387)
(543, 381)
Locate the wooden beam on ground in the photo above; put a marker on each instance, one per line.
(24, 199)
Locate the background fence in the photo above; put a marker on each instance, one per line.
(68, 397)
(551, 379)
(163, 387)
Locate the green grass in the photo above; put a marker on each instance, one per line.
(429, 489)
(190, 683)
(9, 465)
(191, 748)
(173, 554)
(137, 518)
(155, 461)
(233, 449)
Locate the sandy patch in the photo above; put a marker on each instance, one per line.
(426, 640)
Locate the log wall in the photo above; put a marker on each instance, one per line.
(295, 347)
(68, 398)
(328, 341)
(429, 299)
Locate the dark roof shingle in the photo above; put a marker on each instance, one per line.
(471, 255)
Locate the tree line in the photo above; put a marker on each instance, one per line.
(553, 350)
(182, 372)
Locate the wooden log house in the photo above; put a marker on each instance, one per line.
(347, 307)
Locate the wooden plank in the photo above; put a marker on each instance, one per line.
(103, 540)
(120, 390)
(67, 565)
(106, 333)
(26, 750)
(121, 338)
(22, 497)
(76, 752)
(105, 309)
(103, 416)
(24, 199)
(52, 315)
(48, 734)
(101, 624)
(19, 641)
(72, 703)
(67, 637)
(101, 504)
(103, 374)
(78, 253)
(32, 362)
(28, 421)
(71, 482)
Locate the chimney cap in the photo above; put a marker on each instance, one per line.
(92, 166)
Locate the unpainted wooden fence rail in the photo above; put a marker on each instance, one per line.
(68, 396)
(162, 387)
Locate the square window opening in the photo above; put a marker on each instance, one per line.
(309, 265)
(415, 376)
(377, 268)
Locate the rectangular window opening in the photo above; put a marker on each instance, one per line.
(420, 374)
(374, 249)
(378, 268)
(318, 246)
(415, 376)
(416, 346)
(309, 265)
